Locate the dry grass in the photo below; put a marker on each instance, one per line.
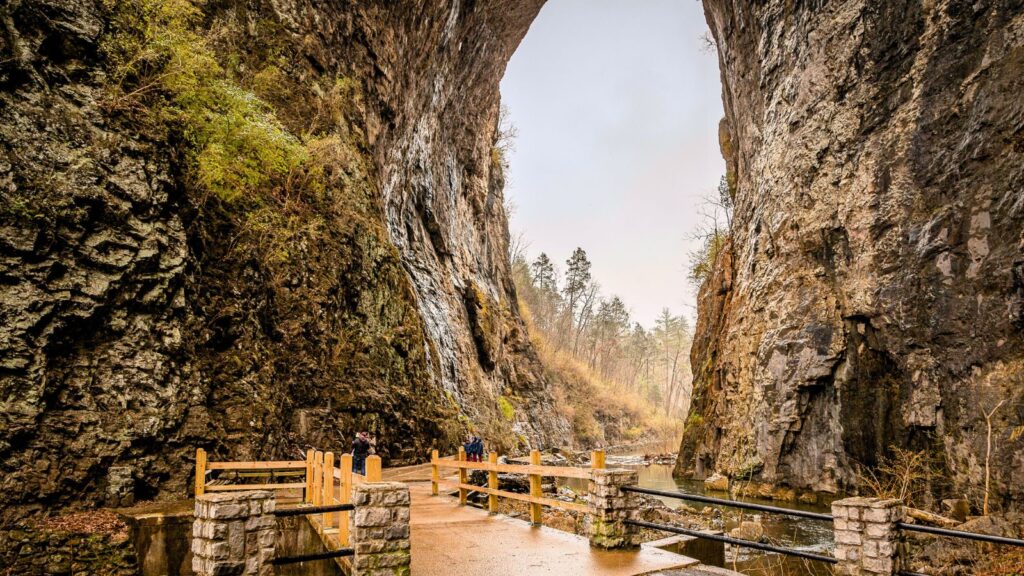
(1007, 563)
(601, 411)
(904, 475)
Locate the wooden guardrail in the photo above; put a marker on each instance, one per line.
(323, 483)
(247, 470)
(534, 471)
(330, 485)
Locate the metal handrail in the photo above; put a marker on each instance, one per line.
(960, 534)
(733, 503)
(304, 510)
(308, 557)
(734, 541)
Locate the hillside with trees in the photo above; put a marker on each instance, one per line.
(619, 379)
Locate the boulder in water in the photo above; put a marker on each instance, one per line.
(749, 530)
(717, 483)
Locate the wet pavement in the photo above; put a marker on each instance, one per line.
(466, 541)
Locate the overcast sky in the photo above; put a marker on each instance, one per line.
(617, 106)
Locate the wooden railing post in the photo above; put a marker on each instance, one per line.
(462, 478)
(328, 487)
(435, 474)
(597, 460)
(346, 497)
(535, 489)
(318, 477)
(200, 472)
(373, 471)
(492, 483)
(309, 475)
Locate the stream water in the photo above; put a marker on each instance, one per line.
(796, 533)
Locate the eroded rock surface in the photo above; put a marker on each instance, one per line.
(871, 294)
(137, 321)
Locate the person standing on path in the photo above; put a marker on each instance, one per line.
(360, 450)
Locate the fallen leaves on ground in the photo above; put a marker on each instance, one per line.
(1010, 563)
(90, 522)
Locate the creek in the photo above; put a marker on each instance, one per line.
(796, 533)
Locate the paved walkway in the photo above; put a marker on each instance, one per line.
(466, 541)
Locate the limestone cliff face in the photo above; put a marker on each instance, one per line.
(441, 182)
(142, 318)
(873, 292)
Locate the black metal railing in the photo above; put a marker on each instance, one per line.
(728, 539)
(960, 534)
(306, 510)
(341, 552)
(734, 541)
(954, 534)
(733, 503)
(798, 514)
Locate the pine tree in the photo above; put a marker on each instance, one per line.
(578, 293)
(547, 298)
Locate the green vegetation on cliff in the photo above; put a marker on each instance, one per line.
(161, 64)
(301, 301)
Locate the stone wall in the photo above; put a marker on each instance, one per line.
(379, 529)
(867, 541)
(33, 550)
(610, 506)
(234, 533)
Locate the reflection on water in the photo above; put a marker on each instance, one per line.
(796, 533)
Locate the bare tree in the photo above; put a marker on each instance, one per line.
(988, 454)
(712, 232)
(672, 338)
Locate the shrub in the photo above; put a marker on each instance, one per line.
(904, 475)
(693, 420)
(702, 261)
(507, 410)
(160, 64)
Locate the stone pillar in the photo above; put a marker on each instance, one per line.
(234, 534)
(120, 487)
(609, 507)
(867, 539)
(379, 529)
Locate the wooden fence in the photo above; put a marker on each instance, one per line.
(245, 470)
(323, 482)
(534, 471)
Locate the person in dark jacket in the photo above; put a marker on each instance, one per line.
(478, 449)
(360, 450)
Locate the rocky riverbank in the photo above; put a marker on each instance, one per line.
(941, 556)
